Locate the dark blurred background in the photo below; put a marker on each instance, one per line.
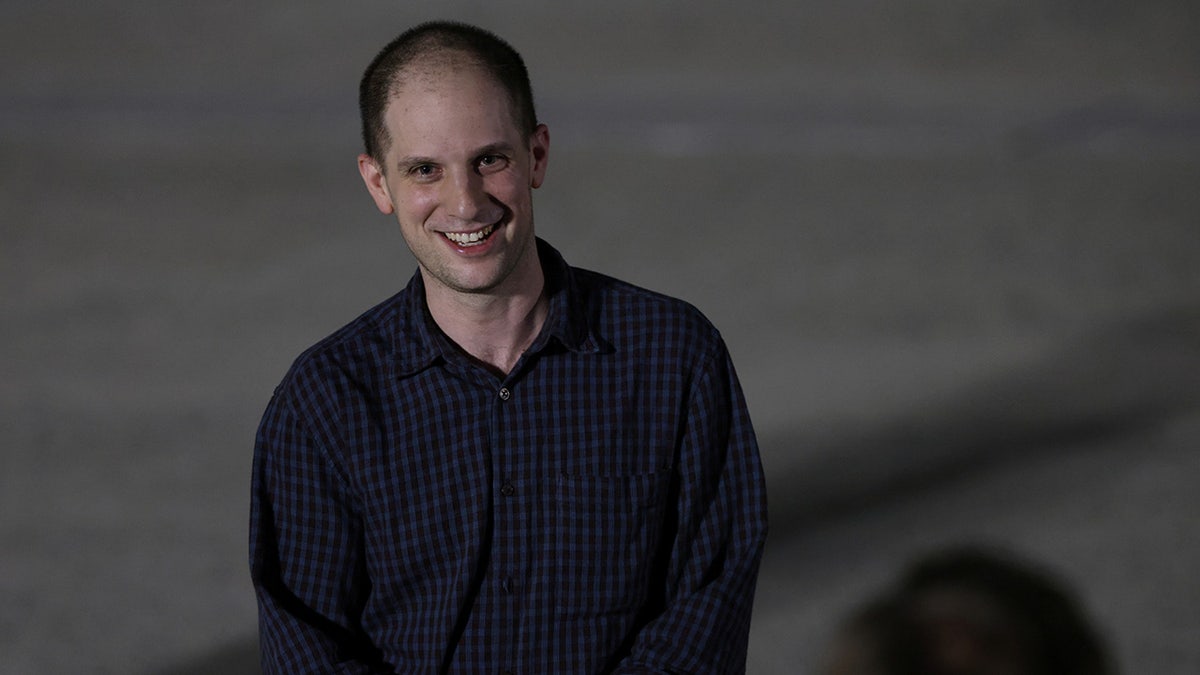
(953, 248)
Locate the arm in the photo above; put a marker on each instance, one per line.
(722, 527)
(305, 553)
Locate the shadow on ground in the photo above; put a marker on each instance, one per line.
(236, 658)
(1121, 378)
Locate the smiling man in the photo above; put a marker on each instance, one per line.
(513, 465)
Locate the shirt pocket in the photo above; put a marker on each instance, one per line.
(607, 530)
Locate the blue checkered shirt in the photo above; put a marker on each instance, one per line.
(599, 509)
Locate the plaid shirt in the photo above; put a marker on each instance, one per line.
(599, 509)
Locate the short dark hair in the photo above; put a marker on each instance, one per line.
(1010, 610)
(1057, 633)
(482, 48)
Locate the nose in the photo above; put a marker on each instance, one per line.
(465, 197)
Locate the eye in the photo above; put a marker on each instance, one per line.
(489, 163)
(423, 171)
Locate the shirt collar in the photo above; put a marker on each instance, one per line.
(418, 343)
(567, 316)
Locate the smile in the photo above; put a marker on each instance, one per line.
(470, 238)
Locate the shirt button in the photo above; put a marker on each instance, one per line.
(508, 490)
(505, 394)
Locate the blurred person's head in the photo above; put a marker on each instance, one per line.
(969, 611)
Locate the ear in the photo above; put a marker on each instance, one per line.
(539, 148)
(374, 179)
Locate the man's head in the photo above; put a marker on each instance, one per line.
(428, 48)
(454, 154)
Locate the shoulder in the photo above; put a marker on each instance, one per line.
(351, 358)
(629, 316)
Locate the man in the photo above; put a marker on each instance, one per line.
(512, 465)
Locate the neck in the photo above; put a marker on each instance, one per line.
(494, 329)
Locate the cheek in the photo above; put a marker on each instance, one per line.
(510, 189)
(414, 206)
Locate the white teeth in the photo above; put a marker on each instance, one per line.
(468, 238)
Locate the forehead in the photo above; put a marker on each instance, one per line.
(447, 98)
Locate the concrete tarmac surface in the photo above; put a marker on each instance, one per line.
(953, 248)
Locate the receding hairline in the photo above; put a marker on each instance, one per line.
(433, 63)
(432, 48)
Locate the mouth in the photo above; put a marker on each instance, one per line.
(471, 238)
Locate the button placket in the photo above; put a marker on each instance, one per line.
(508, 503)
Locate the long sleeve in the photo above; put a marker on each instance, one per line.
(722, 526)
(305, 554)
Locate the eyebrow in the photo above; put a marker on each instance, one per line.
(499, 147)
(412, 160)
(495, 148)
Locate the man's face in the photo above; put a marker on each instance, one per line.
(459, 176)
